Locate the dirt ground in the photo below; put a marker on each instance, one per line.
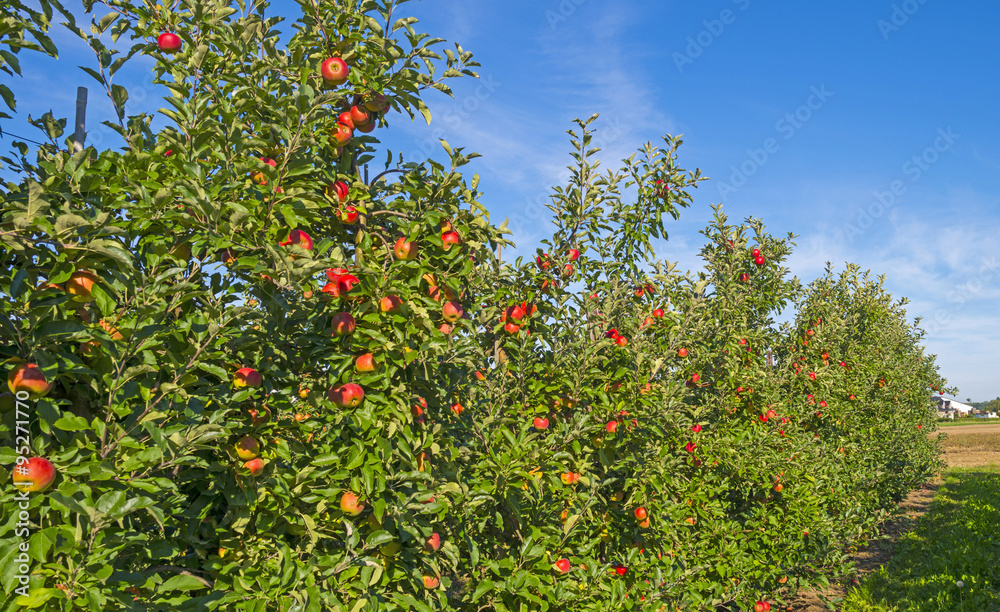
(964, 446)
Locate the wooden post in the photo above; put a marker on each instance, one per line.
(81, 119)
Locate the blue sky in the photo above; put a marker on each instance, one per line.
(867, 128)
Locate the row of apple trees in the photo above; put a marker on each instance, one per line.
(272, 373)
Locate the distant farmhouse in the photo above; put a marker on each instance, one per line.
(951, 409)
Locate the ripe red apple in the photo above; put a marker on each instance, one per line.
(567, 270)
(339, 190)
(433, 543)
(562, 566)
(334, 70)
(759, 260)
(543, 261)
(347, 396)
(573, 254)
(621, 570)
(514, 313)
(29, 378)
(611, 427)
(343, 324)
(407, 251)
(367, 128)
(658, 313)
(34, 475)
(341, 134)
(512, 328)
(569, 477)
(247, 448)
(621, 340)
(365, 363)
(80, 285)
(450, 238)
(168, 42)
(298, 238)
(690, 447)
(647, 321)
(390, 303)
(755, 253)
(360, 116)
(761, 606)
(348, 215)
(696, 428)
(457, 408)
(641, 514)
(431, 582)
(350, 504)
(744, 277)
(541, 423)
(345, 118)
(254, 466)
(682, 352)
(247, 377)
(452, 311)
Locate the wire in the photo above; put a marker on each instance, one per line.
(35, 142)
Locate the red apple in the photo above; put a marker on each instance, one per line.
(341, 134)
(744, 277)
(433, 543)
(563, 566)
(541, 423)
(339, 190)
(755, 253)
(407, 251)
(28, 378)
(611, 333)
(431, 582)
(365, 363)
(334, 70)
(450, 238)
(247, 377)
(366, 128)
(345, 284)
(621, 340)
(80, 285)
(457, 408)
(621, 570)
(168, 42)
(758, 260)
(611, 427)
(348, 215)
(343, 324)
(347, 396)
(360, 116)
(247, 448)
(350, 504)
(641, 514)
(34, 475)
(512, 328)
(390, 303)
(682, 352)
(690, 447)
(254, 466)
(658, 313)
(345, 118)
(298, 238)
(696, 428)
(452, 311)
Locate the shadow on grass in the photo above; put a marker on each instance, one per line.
(956, 542)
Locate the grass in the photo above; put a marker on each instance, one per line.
(958, 540)
(968, 421)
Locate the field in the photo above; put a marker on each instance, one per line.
(946, 534)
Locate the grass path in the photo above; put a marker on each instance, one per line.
(949, 533)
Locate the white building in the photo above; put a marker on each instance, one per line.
(948, 408)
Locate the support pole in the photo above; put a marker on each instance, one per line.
(81, 119)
